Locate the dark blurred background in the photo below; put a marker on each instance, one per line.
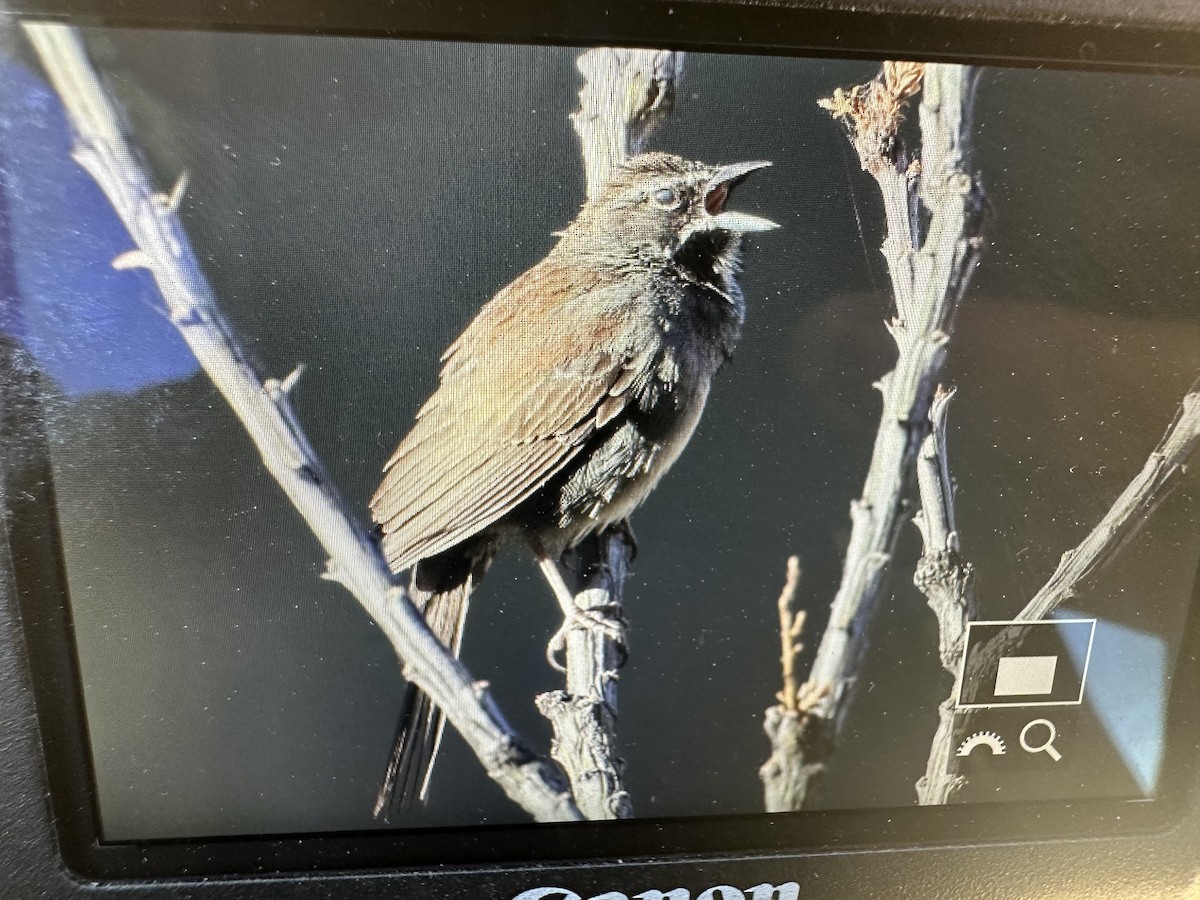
(355, 202)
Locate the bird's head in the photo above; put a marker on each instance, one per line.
(660, 207)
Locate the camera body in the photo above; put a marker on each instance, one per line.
(1034, 848)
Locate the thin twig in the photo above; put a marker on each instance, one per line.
(942, 575)
(1158, 477)
(784, 774)
(929, 270)
(1128, 513)
(264, 409)
(791, 624)
(948, 583)
(625, 95)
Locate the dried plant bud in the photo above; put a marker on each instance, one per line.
(872, 112)
(902, 79)
(841, 104)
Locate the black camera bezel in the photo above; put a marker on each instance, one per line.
(39, 574)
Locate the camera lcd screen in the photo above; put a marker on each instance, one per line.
(355, 202)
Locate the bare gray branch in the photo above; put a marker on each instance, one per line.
(928, 279)
(948, 583)
(264, 409)
(584, 717)
(1126, 516)
(626, 94)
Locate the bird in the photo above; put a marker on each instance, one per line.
(563, 403)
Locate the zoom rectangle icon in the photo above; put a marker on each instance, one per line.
(1025, 663)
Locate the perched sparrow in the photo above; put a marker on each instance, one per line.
(566, 399)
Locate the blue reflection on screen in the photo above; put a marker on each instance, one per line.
(91, 327)
(1127, 689)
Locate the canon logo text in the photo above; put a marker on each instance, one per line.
(789, 891)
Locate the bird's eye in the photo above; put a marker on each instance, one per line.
(665, 196)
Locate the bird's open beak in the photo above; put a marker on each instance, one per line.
(717, 193)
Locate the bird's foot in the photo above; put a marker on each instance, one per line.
(604, 621)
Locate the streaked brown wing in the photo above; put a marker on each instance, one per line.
(530, 379)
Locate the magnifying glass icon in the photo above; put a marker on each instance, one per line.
(1047, 745)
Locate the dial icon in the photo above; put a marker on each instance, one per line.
(988, 739)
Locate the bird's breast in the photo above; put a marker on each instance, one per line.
(665, 432)
(689, 331)
(625, 461)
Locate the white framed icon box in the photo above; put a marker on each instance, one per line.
(1039, 669)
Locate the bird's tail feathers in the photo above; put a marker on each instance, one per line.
(421, 724)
